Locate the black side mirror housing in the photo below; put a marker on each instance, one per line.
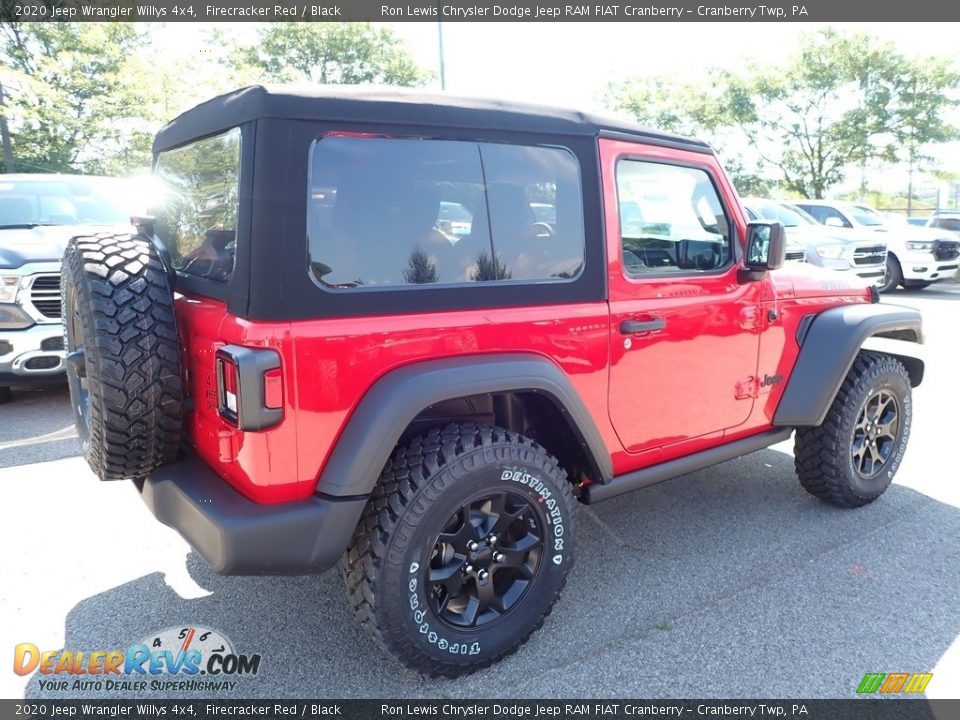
(766, 249)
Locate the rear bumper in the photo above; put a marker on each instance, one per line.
(237, 536)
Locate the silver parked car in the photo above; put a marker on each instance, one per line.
(860, 256)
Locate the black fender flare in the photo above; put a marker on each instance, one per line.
(372, 431)
(828, 346)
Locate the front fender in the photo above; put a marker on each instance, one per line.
(828, 346)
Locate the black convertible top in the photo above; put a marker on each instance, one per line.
(391, 106)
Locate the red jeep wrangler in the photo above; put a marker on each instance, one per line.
(412, 333)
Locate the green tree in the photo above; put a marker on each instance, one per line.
(490, 267)
(818, 115)
(335, 53)
(919, 97)
(671, 105)
(667, 104)
(73, 96)
(420, 268)
(839, 102)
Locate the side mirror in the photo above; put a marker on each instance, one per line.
(833, 221)
(766, 249)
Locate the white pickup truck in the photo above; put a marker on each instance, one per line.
(916, 256)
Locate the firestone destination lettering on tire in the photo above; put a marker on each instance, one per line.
(554, 517)
(419, 619)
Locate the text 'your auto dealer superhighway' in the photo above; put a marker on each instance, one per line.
(597, 11)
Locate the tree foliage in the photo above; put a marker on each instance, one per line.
(336, 53)
(420, 268)
(72, 96)
(88, 97)
(839, 102)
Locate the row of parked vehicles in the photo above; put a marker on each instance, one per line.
(855, 239)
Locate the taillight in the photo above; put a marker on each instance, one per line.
(227, 381)
(249, 387)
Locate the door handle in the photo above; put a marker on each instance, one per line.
(631, 327)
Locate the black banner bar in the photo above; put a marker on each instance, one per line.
(478, 10)
(854, 709)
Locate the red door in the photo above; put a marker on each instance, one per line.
(684, 330)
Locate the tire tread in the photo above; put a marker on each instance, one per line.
(820, 453)
(133, 365)
(405, 476)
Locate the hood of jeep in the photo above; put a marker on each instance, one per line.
(44, 243)
(802, 280)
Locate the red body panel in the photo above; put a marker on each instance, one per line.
(328, 365)
(672, 393)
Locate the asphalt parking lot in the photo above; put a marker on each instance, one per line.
(731, 582)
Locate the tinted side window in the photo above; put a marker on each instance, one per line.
(952, 224)
(671, 220)
(384, 212)
(197, 217)
(536, 218)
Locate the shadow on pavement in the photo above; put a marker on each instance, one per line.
(729, 582)
(37, 426)
(944, 290)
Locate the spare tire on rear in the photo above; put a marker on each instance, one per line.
(123, 355)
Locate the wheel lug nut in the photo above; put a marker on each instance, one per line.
(484, 575)
(492, 539)
(472, 545)
(468, 568)
(498, 557)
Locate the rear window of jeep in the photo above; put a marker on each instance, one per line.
(387, 212)
(197, 213)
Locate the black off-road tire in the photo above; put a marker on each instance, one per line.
(123, 353)
(916, 284)
(824, 456)
(892, 276)
(387, 566)
(6, 394)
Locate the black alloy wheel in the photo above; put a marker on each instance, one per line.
(462, 549)
(484, 560)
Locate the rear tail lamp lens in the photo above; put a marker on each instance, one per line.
(249, 387)
(227, 386)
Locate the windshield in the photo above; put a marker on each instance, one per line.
(946, 223)
(787, 216)
(63, 201)
(865, 216)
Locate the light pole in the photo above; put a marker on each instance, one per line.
(443, 74)
(8, 165)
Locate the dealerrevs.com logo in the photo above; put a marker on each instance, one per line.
(169, 660)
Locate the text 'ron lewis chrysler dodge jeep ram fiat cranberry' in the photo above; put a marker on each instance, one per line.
(411, 334)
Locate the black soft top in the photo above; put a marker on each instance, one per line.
(390, 106)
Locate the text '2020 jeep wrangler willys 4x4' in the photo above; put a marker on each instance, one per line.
(411, 333)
